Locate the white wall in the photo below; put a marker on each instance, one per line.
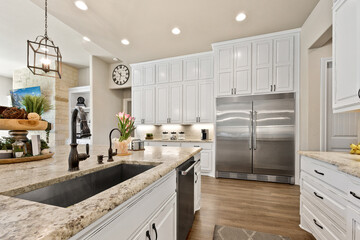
(84, 77)
(105, 102)
(5, 87)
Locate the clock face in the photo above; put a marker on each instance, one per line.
(120, 74)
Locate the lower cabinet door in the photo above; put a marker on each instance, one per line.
(353, 223)
(206, 160)
(143, 234)
(163, 227)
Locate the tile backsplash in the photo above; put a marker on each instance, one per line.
(191, 131)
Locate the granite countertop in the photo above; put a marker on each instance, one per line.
(186, 140)
(22, 219)
(345, 162)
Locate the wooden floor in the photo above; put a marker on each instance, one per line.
(259, 206)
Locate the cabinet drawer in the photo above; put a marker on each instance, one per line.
(329, 202)
(353, 193)
(165, 144)
(325, 172)
(322, 227)
(204, 146)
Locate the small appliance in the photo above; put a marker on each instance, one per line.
(181, 136)
(204, 134)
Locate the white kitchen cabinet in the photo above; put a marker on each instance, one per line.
(164, 144)
(135, 218)
(162, 104)
(224, 58)
(242, 69)
(262, 66)
(143, 105)
(197, 185)
(175, 103)
(162, 73)
(283, 64)
(137, 78)
(353, 223)
(190, 102)
(149, 105)
(206, 67)
(206, 160)
(163, 226)
(198, 102)
(257, 65)
(137, 104)
(149, 74)
(346, 55)
(176, 70)
(206, 101)
(169, 103)
(191, 65)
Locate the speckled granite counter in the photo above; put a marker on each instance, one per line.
(22, 219)
(346, 162)
(186, 140)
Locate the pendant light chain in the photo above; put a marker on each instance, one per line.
(46, 18)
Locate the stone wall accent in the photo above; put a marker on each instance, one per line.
(56, 90)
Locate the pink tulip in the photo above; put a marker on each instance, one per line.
(127, 116)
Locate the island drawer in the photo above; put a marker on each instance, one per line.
(319, 223)
(325, 172)
(204, 146)
(328, 201)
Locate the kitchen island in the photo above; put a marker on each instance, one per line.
(23, 219)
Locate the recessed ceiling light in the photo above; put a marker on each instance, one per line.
(116, 59)
(125, 41)
(176, 31)
(240, 17)
(86, 39)
(81, 5)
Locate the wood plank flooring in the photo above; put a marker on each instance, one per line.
(259, 206)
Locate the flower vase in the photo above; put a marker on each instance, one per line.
(122, 147)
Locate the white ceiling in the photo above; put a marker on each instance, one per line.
(22, 20)
(148, 23)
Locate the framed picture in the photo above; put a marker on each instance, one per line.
(17, 94)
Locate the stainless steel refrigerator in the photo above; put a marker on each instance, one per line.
(255, 137)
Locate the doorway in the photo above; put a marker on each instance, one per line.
(338, 130)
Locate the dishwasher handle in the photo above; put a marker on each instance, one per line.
(189, 168)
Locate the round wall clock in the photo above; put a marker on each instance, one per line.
(120, 74)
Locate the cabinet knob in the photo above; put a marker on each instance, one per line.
(271, 88)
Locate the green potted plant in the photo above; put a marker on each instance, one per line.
(36, 106)
(5, 148)
(149, 136)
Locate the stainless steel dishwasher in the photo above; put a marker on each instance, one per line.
(185, 198)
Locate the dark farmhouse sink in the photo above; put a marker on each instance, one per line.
(75, 190)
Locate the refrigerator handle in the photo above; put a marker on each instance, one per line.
(254, 129)
(250, 130)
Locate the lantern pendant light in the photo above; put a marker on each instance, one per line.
(43, 57)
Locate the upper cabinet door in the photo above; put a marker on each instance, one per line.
(206, 67)
(283, 64)
(148, 110)
(162, 98)
(190, 102)
(262, 66)
(175, 103)
(137, 77)
(162, 75)
(176, 71)
(346, 53)
(149, 74)
(191, 66)
(242, 69)
(225, 61)
(137, 103)
(206, 101)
